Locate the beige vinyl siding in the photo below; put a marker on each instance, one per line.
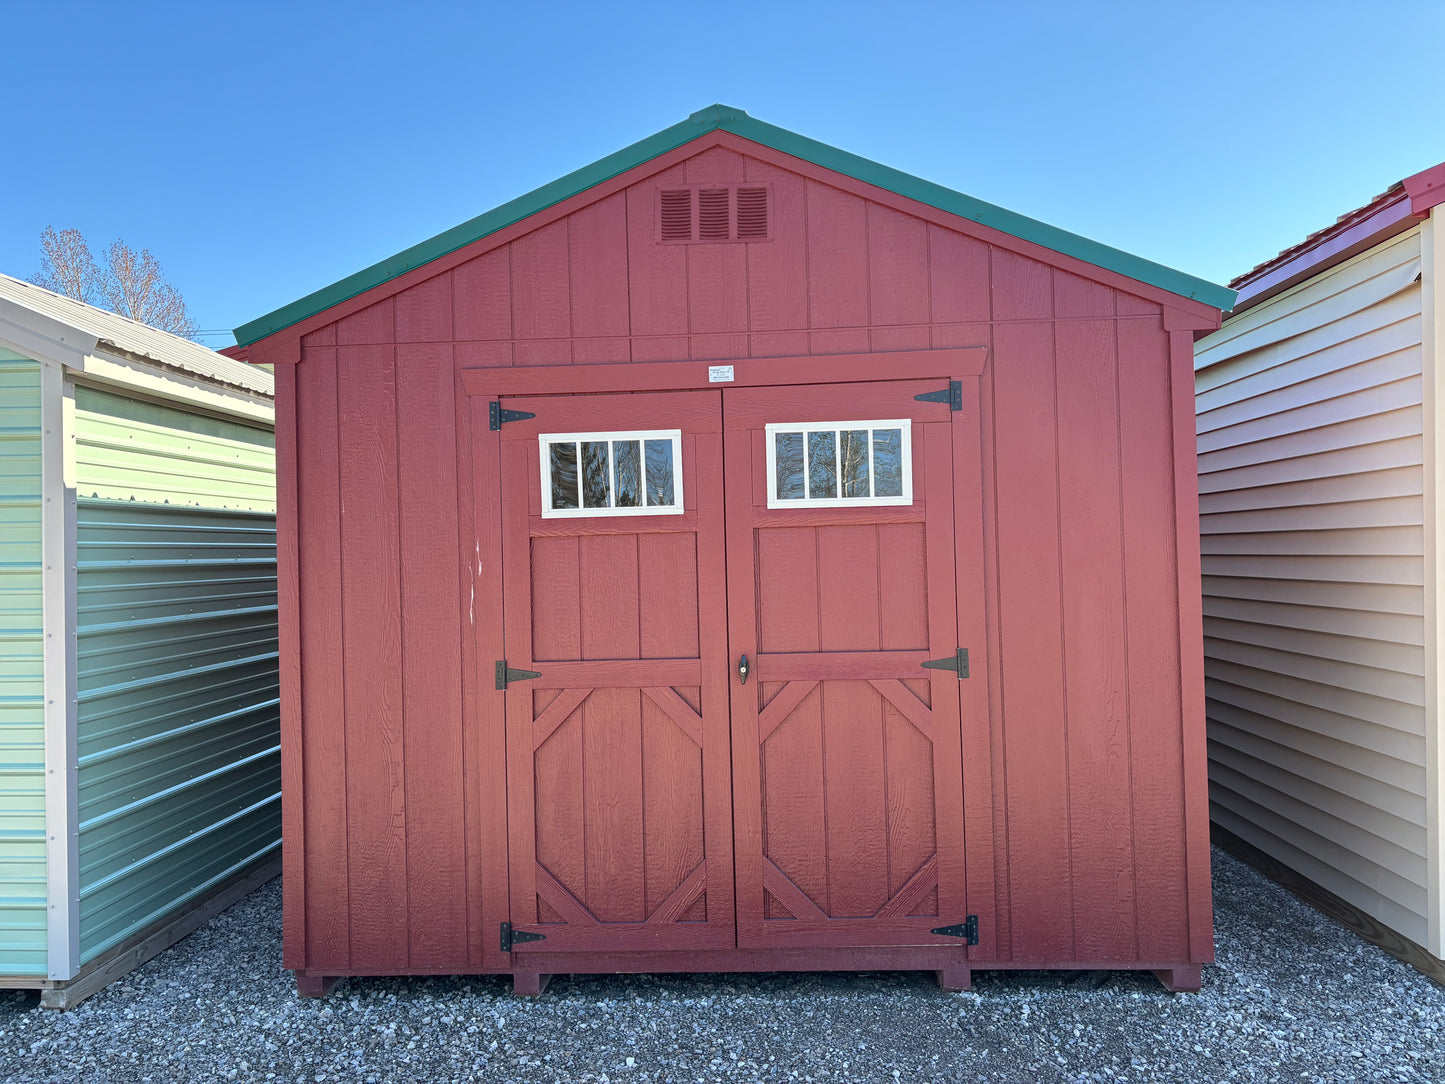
(1312, 523)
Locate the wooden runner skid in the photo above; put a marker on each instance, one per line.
(147, 943)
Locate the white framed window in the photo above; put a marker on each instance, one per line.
(829, 464)
(636, 473)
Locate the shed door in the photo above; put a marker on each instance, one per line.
(618, 795)
(846, 768)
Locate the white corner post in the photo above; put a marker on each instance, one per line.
(57, 534)
(1432, 348)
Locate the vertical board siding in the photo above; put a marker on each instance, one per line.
(22, 685)
(178, 722)
(1311, 513)
(383, 735)
(1080, 792)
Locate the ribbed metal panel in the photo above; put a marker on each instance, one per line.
(22, 687)
(179, 775)
(130, 450)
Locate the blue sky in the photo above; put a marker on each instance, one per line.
(264, 150)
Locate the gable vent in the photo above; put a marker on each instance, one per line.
(714, 213)
(752, 214)
(677, 214)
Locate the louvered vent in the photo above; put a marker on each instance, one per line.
(714, 213)
(752, 214)
(676, 214)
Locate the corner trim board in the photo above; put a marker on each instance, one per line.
(1432, 349)
(58, 534)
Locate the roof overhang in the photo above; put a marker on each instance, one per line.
(720, 118)
(100, 362)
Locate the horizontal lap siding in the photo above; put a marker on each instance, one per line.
(22, 688)
(179, 778)
(1082, 783)
(1311, 512)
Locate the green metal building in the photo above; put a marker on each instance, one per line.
(139, 741)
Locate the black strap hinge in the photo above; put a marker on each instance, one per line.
(967, 929)
(499, 415)
(512, 937)
(952, 395)
(506, 674)
(957, 662)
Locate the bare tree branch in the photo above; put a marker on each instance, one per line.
(130, 283)
(67, 266)
(134, 285)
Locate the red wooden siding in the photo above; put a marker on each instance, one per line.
(1074, 737)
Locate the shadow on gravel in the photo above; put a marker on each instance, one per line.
(1293, 997)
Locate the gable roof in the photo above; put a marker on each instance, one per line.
(736, 121)
(108, 331)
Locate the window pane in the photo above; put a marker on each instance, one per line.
(564, 475)
(853, 457)
(627, 462)
(888, 462)
(822, 465)
(659, 472)
(595, 483)
(789, 449)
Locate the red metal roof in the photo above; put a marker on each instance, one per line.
(1393, 211)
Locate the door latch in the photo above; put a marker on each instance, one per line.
(743, 669)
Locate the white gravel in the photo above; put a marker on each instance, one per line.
(1293, 997)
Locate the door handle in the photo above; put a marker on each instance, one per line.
(743, 669)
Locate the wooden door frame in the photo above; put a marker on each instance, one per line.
(964, 364)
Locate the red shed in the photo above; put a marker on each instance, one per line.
(740, 555)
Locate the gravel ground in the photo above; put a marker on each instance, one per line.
(1294, 997)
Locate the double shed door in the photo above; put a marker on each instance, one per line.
(663, 795)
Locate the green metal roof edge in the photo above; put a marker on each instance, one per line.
(739, 123)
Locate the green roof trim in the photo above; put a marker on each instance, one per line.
(740, 124)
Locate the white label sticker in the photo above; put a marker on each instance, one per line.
(719, 374)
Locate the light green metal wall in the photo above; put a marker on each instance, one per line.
(179, 778)
(130, 450)
(22, 688)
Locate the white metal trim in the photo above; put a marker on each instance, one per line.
(58, 534)
(676, 508)
(905, 464)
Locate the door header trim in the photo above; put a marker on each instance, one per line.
(747, 373)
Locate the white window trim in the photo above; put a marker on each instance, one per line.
(674, 435)
(906, 462)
